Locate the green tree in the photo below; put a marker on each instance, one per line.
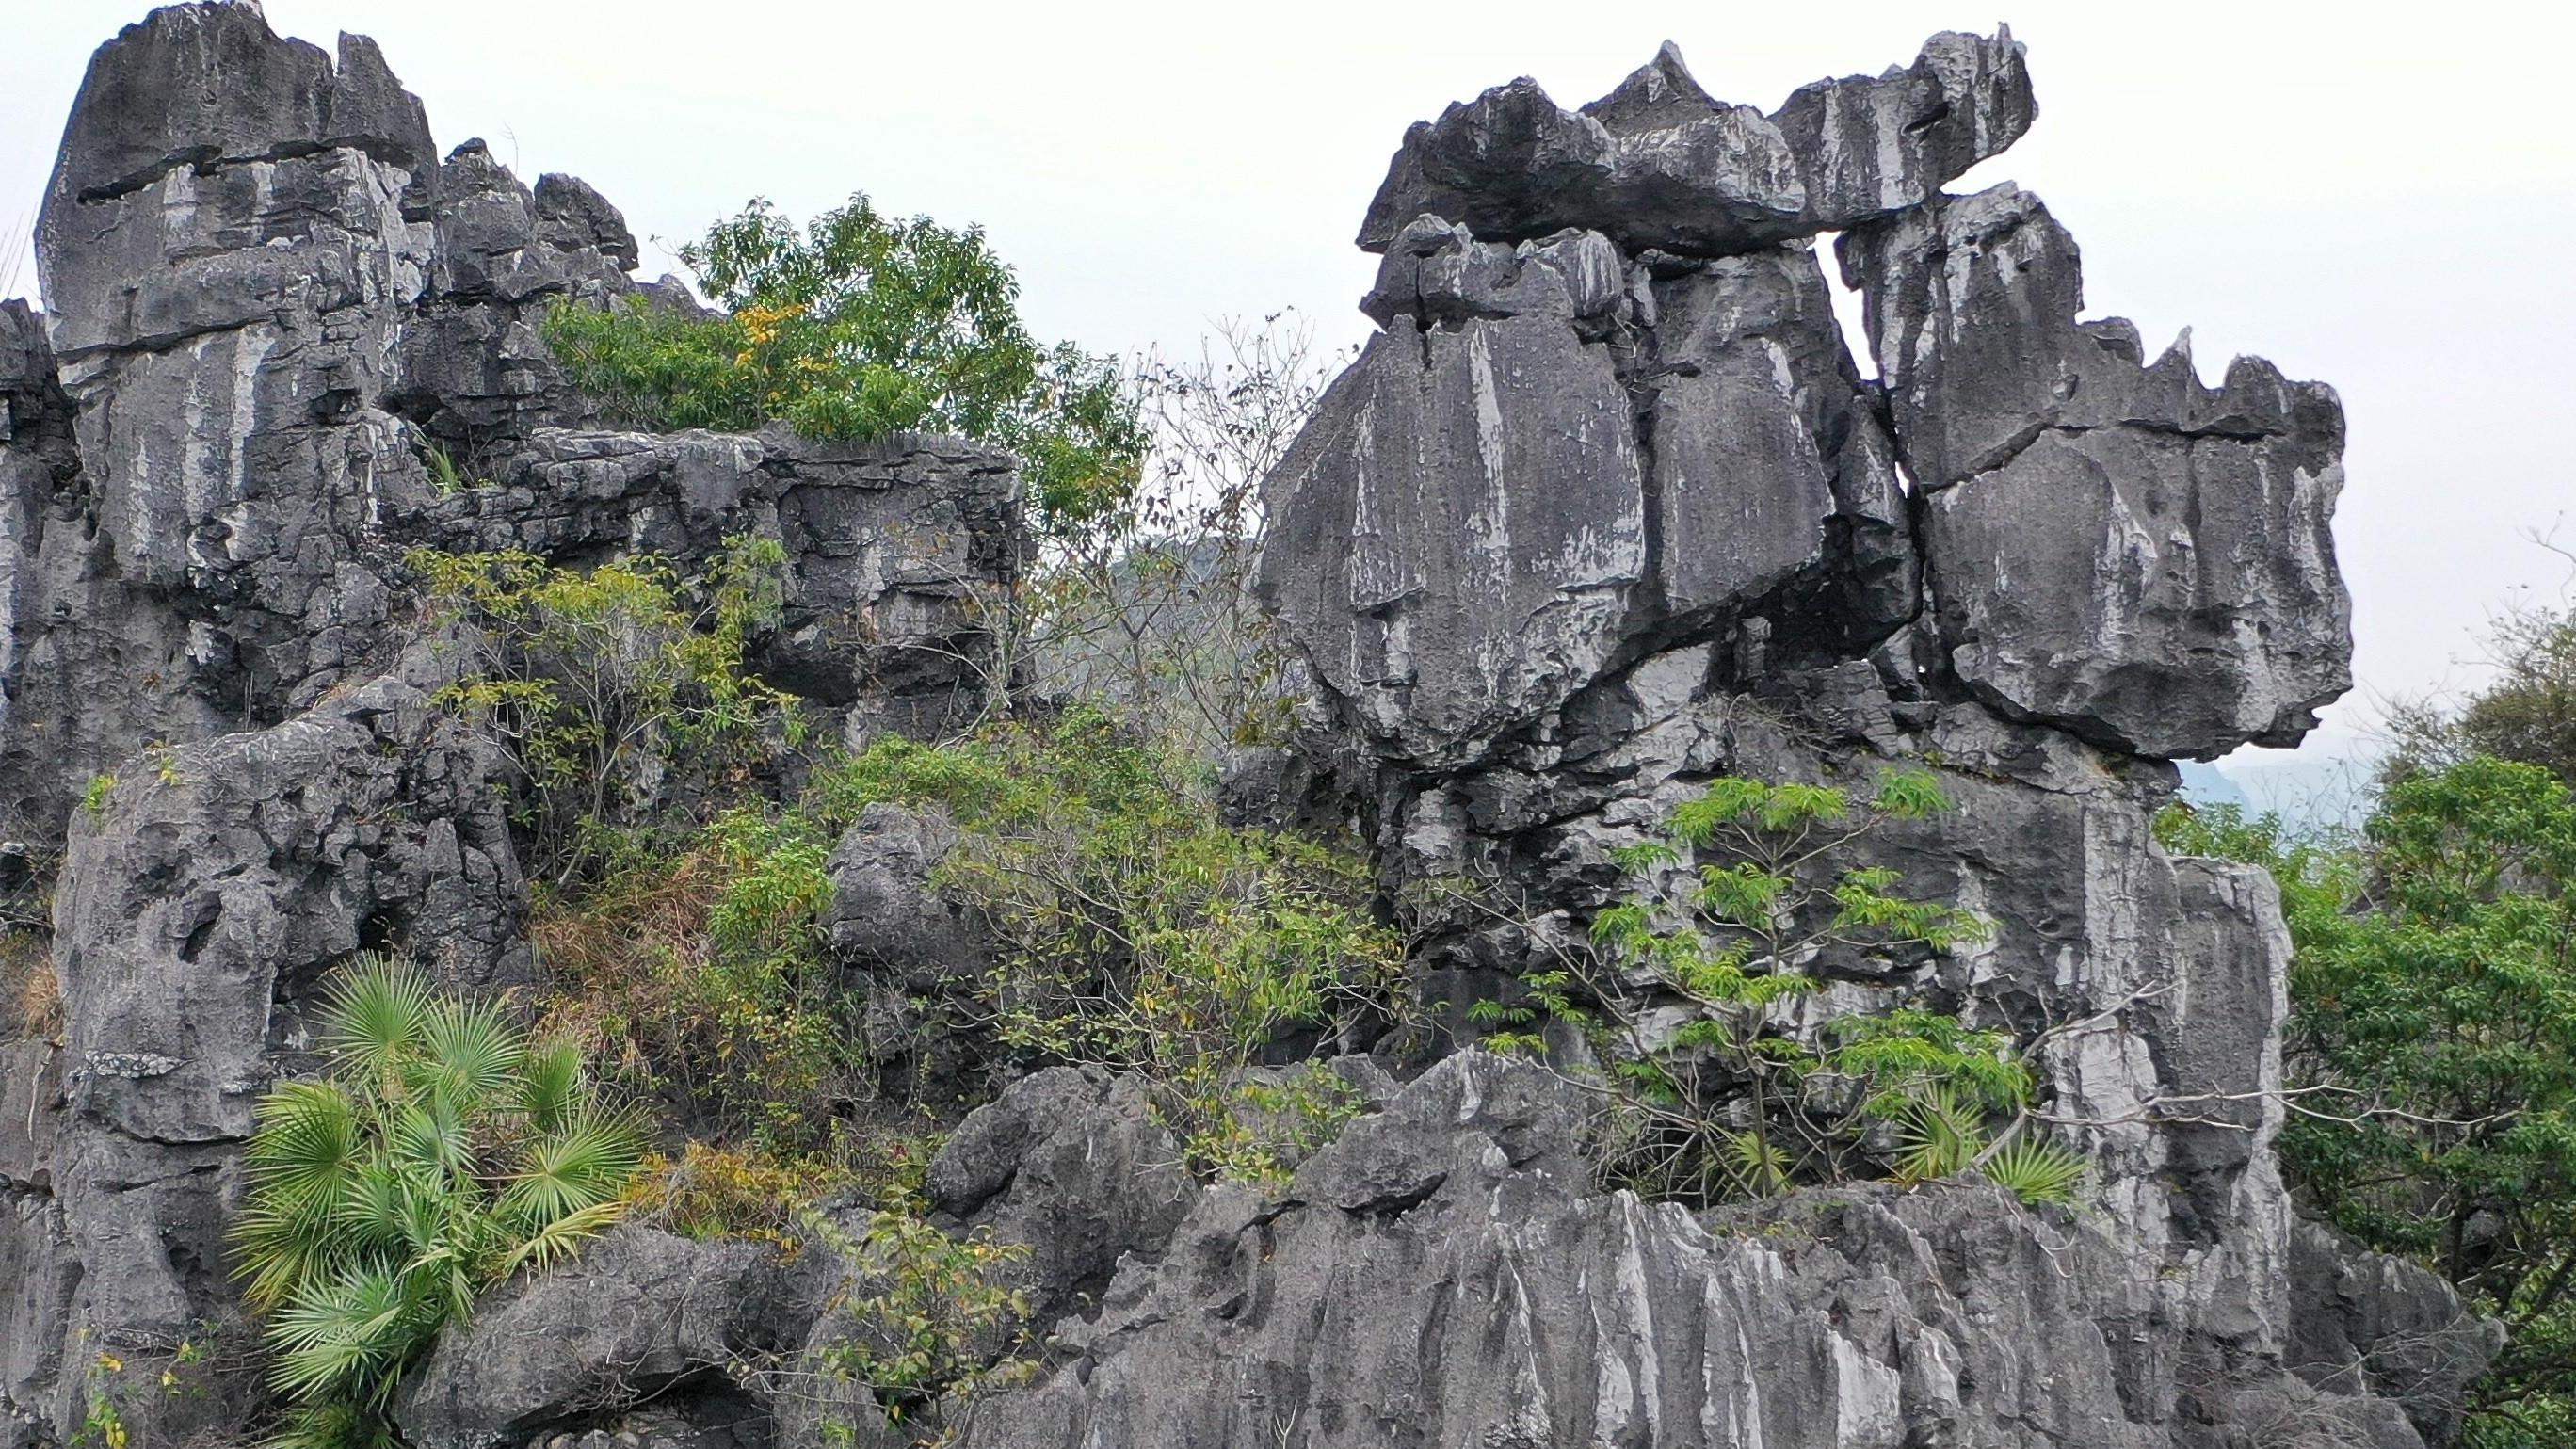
(1726, 913)
(2526, 713)
(441, 1152)
(2432, 1051)
(857, 325)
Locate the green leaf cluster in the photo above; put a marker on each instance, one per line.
(1135, 930)
(928, 1313)
(600, 678)
(442, 1151)
(858, 325)
(1725, 915)
(2433, 1048)
(694, 973)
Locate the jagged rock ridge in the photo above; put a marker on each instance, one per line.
(271, 301)
(1606, 510)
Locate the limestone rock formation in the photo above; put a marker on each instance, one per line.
(1658, 163)
(2116, 548)
(1446, 1270)
(1608, 509)
(271, 302)
(201, 901)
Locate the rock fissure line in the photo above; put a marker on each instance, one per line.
(1606, 511)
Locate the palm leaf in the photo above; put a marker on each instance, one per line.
(550, 1085)
(470, 1054)
(560, 1238)
(1762, 1167)
(374, 1019)
(431, 1139)
(306, 1151)
(347, 1336)
(2036, 1171)
(1937, 1135)
(587, 1163)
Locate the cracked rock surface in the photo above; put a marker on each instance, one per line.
(272, 300)
(1607, 509)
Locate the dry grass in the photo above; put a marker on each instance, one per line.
(31, 996)
(603, 953)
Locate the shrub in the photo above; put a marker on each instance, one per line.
(698, 977)
(442, 1151)
(597, 679)
(711, 1191)
(856, 326)
(927, 1314)
(1134, 930)
(1737, 1101)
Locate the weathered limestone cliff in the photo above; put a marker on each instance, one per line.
(270, 300)
(1607, 509)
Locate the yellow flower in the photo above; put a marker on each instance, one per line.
(111, 1363)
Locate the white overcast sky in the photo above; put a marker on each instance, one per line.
(2383, 197)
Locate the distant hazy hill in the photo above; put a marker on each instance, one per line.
(2328, 793)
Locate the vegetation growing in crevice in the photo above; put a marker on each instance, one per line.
(1133, 930)
(695, 976)
(1750, 1093)
(602, 681)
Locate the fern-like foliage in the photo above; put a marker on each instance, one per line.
(441, 1151)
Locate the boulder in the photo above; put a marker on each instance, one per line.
(1069, 1164)
(640, 1316)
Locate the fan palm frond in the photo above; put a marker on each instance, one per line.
(551, 1085)
(587, 1163)
(560, 1238)
(2036, 1171)
(374, 1019)
(1762, 1167)
(309, 1143)
(1938, 1134)
(470, 1053)
(431, 1138)
(340, 1337)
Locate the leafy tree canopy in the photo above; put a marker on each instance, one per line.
(857, 325)
(2434, 1044)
